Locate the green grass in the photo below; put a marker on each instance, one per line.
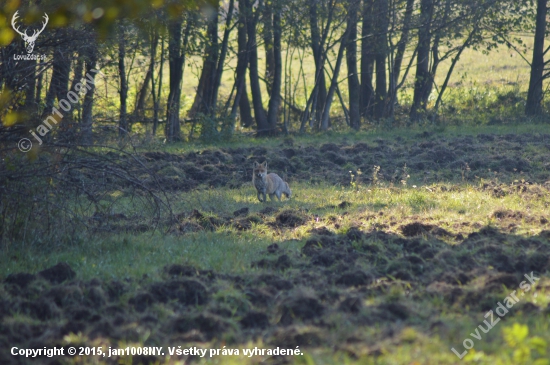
(457, 205)
(228, 250)
(368, 135)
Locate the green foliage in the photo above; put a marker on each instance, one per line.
(214, 129)
(102, 14)
(527, 350)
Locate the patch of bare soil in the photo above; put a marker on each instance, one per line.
(291, 298)
(505, 162)
(290, 218)
(429, 157)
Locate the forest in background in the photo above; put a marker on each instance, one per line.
(188, 69)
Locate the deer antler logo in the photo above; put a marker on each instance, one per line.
(29, 39)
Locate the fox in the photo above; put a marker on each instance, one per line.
(271, 184)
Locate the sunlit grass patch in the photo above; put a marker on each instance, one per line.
(459, 210)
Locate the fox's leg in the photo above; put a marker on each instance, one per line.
(260, 199)
(271, 196)
(278, 193)
(288, 192)
(265, 197)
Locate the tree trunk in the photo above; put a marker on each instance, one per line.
(241, 97)
(423, 78)
(77, 72)
(381, 36)
(245, 110)
(86, 136)
(153, 51)
(320, 92)
(79, 67)
(454, 61)
(139, 110)
(123, 117)
(268, 36)
(275, 100)
(351, 58)
(533, 105)
(59, 82)
(59, 87)
(30, 88)
(172, 128)
(39, 85)
(156, 100)
(367, 60)
(205, 90)
(223, 54)
(199, 95)
(435, 52)
(400, 53)
(259, 112)
(210, 64)
(317, 100)
(334, 81)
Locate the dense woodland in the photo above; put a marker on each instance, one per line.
(267, 66)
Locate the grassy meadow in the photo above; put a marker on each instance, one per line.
(380, 257)
(396, 244)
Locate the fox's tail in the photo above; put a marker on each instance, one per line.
(288, 193)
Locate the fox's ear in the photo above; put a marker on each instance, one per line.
(265, 164)
(255, 164)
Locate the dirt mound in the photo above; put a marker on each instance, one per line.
(272, 248)
(355, 234)
(293, 336)
(415, 229)
(397, 310)
(329, 147)
(255, 319)
(21, 279)
(274, 282)
(316, 244)
(243, 224)
(198, 221)
(281, 263)
(290, 219)
(241, 212)
(207, 324)
(188, 292)
(344, 205)
(268, 210)
(300, 309)
(58, 273)
(354, 278)
(351, 305)
(142, 301)
(458, 158)
(508, 280)
(181, 270)
(321, 231)
(507, 214)
(290, 298)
